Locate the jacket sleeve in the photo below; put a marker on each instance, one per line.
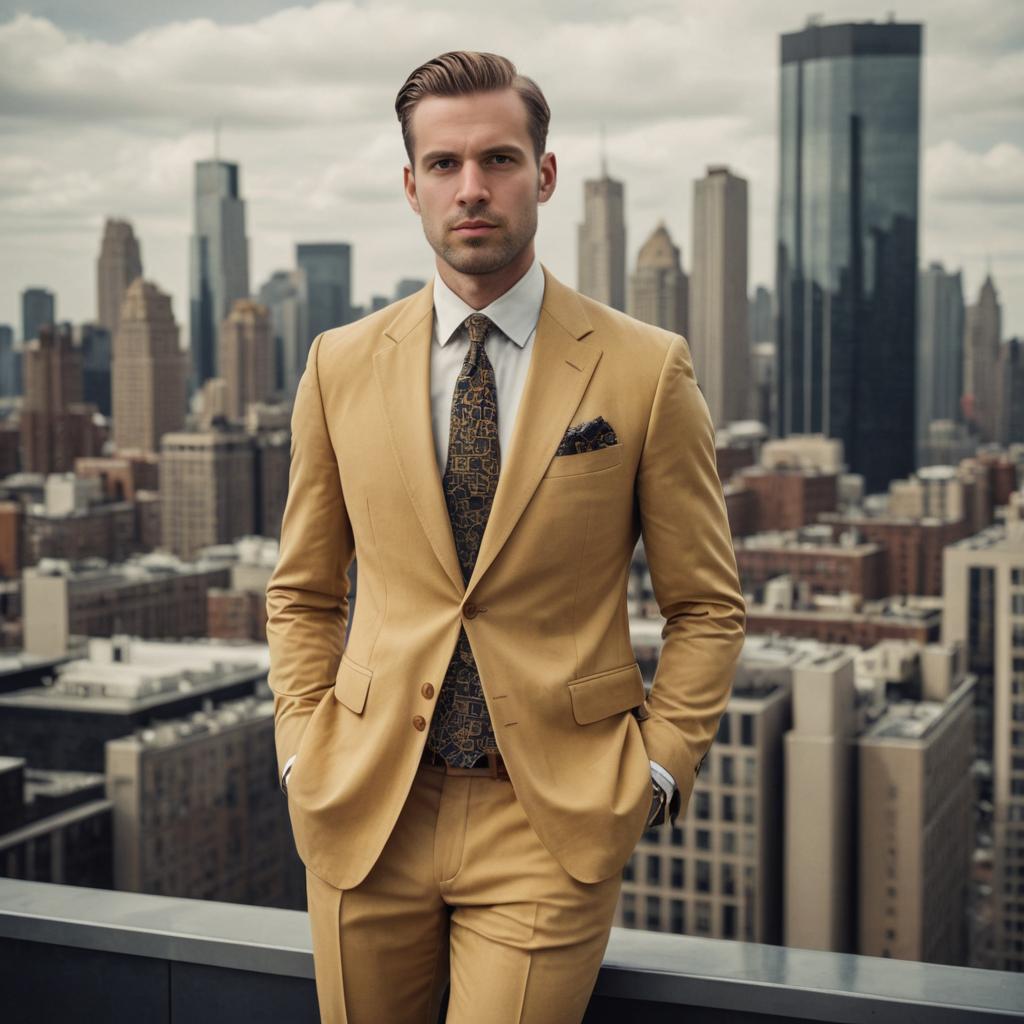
(307, 593)
(692, 562)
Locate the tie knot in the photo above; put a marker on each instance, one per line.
(478, 325)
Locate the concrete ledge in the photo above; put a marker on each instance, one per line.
(654, 974)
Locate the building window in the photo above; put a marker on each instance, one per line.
(703, 876)
(727, 769)
(653, 904)
(677, 918)
(703, 839)
(629, 910)
(678, 873)
(728, 921)
(653, 869)
(723, 729)
(747, 730)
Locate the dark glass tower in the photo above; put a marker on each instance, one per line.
(846, 270)
(219, 262)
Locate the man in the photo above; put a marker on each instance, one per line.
(468, 774)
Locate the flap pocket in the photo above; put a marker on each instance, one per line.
(585, 462)
(604, 693)
(351, 684)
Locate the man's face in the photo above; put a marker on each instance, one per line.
(474, 162)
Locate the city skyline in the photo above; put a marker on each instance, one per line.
(129, 152)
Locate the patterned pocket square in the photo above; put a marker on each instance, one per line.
(587, 437)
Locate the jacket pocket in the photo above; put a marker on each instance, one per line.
(351, 683)
(585, 462)
(604, 693)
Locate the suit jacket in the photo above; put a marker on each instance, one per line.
(545, 607)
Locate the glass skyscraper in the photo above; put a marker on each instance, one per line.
(219, 261)
(328, 270)
(846, 270)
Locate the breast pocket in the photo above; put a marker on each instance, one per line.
(584, 462)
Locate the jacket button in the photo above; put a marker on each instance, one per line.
(420, 722)
(470, 609)
(427, 690)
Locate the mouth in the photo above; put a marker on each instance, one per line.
(474, 227)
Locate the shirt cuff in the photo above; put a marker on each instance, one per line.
(284, 774)
(664, 779)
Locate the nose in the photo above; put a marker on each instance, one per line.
(472, 184)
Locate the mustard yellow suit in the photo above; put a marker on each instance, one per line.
(545, 608)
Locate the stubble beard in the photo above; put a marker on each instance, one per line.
(483, 254)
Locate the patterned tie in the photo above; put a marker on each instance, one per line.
(460, 730)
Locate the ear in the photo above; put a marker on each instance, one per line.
(547, 177)
(409, 185)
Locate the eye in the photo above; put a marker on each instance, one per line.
(501, 156)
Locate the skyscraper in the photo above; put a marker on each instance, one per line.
(718, 294)
(601, 241)
(846, 258)
(328, 270)
(284, 294)
(10, 364)
(940, 338)
(658, 288)
(38, 307)
(982, 336)
(246, 356)
(219, 261)
(117, 265)
(56, 426)
(149, 370)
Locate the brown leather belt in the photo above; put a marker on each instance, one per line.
(490, 764)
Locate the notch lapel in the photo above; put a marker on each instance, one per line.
(560, 370)
(402, 371)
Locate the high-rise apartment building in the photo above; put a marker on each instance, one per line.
(207, 492)
(219, 261)
(601, 241)
(846, 247)
(983, 588)
(117, 265)
(658, 288)
(246, 356)
(718, 294)
(149, 370)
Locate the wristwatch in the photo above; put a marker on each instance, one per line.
(658, 800)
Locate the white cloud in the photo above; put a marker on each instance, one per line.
(94, 127)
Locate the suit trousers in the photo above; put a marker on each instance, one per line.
(463, 892)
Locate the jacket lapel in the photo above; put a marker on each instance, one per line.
(402, 370)
(559, 372)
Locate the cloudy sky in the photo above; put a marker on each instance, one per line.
(105, 106)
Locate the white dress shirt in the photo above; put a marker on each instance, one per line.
(514, 315)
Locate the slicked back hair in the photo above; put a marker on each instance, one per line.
(462, 72)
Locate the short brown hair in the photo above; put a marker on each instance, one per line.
(462, 72)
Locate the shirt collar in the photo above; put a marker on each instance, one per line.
(514, 313)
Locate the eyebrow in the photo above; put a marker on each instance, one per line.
(440, 154)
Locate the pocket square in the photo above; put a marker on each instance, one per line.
(587, 437)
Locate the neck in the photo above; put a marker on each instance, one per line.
(480, 290)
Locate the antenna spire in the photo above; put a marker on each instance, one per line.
(604, 154)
